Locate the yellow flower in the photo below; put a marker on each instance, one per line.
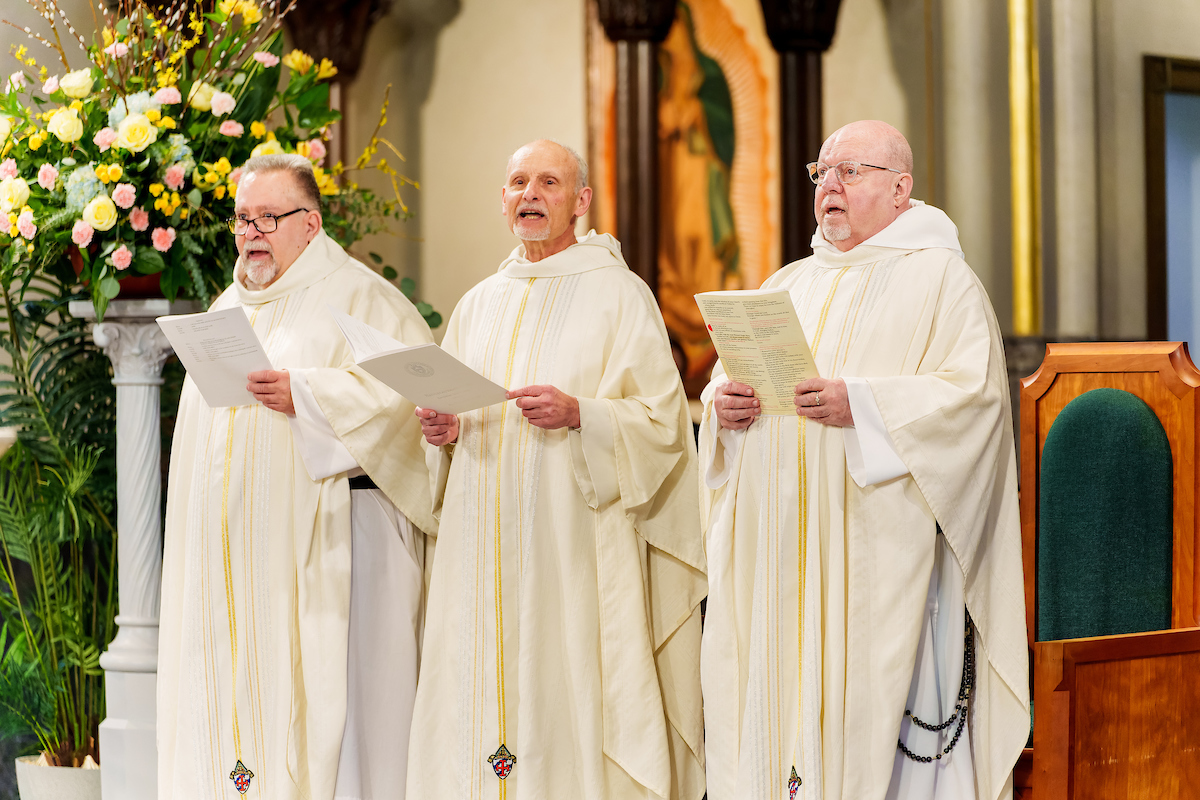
(258, 130)
(156, 189)
(183, 214)
(109, 36)
(66, 125)
(115, 172)
(35, 141)
(5, 127)
(223, 166)
(101, 213)
(326, 69)
(267, 148)
(233, 190)
(153, 114)
(102, 172)
(200, 96)
(77, 84)
(303, 149)
(219, 192)
(13, 193)
(77, 105)
(136, 133)
(325, 183)
(167, 123)
(298, 61)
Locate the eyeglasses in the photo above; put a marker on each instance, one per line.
(267, 223)
(848, 172)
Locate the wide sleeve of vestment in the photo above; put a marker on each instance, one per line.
(375, 424)
(948, 413)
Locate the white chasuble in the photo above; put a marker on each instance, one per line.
(258, 556)
(563, 623)
(819, 588)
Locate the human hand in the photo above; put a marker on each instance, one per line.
(824, 401)
(439, 429)
(547, 407)
(735, 405)
(272, 388)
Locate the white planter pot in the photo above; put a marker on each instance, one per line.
(56, 783)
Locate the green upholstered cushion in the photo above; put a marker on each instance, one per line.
(1105, 520)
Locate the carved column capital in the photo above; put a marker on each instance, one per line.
(136, 349)
(800, 24)
(636, 20)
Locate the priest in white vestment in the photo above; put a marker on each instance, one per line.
(292, 590)
(864, 556)
(563, 630)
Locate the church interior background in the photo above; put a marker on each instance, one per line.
(1075, 184)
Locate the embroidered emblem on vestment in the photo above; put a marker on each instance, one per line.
(241, 777)
(502, 762)
(793, 785)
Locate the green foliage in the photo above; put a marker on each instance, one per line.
(57, 499)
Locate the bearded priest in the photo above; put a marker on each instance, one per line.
(865, 635)
(564, 605)
(292, 569)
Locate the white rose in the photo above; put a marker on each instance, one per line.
(77, 84)
(66, 125)
(13, 194)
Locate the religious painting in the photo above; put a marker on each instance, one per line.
(718, 161)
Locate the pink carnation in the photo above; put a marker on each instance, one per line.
(81, 234)
(235, 176)
(25, 225)
(222, 103)
(139, 219)
(162, 239)
(168, 96)
(50, 86)
(124, 194)
(8, 169)
(47, 175)
(174, 177)
(122, 257)
(266, 59)
(316, 149)
(117, 49)
(104, 138)
(231, 128)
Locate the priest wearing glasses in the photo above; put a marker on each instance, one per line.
(865, 632)
(292, 568)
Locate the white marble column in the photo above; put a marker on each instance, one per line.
(1075, 167)
(137, 347)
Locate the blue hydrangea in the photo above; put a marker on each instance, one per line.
(82, 185)
(178, 152)
(138, 103)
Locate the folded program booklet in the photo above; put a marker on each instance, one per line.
(760, 342)
(218, 349)
(424, 374)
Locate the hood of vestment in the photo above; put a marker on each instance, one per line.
(593, 251)
(321, 258)
(919, 227)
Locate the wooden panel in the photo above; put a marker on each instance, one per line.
(1118, 717)
(1163, 376)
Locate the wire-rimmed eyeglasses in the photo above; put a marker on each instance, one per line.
(848, 172)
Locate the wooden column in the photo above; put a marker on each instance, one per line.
(800, 31)
(337, 30)
(637, 27)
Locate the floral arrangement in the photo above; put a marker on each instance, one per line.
(132, 161)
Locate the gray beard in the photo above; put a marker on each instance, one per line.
(835, 230)
(261, 275)
(534, 236)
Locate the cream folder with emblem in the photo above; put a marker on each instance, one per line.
(423, 374)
